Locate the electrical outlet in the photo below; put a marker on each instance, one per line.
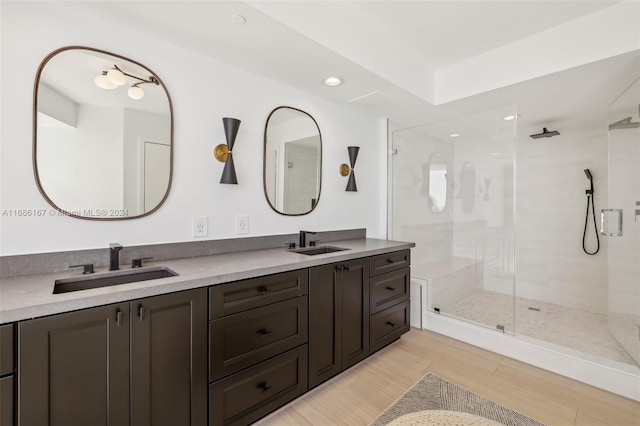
(200, 228)
(242, 224)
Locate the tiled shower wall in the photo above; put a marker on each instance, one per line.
(550, 215)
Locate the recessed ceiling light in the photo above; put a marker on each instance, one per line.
(238, 19)
(496, 153)
(454, 135)
(333, 81)
(510, 117)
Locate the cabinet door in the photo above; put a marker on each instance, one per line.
(353, 282)
(7, 364)
(7, 402)
(73, 369)
(169, 359)
(325, 313)
(338, 318)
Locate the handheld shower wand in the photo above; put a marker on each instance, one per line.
(590, 177)
(590, 200)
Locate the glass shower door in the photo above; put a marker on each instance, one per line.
(453, 195)
(621, 221)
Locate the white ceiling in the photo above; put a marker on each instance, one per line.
(445, 32)
(388, 51)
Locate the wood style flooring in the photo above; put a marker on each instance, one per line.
(359, 394)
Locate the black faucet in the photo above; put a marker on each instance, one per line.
(114, 256)
(303, 237)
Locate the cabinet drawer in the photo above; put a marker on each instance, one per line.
(388, 262)
(388, 325)
(241, 340)
(252, 393)
(226, 299)
(7, 401)
(7, 362)
(389, 289)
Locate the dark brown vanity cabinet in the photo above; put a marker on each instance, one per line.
(7, 379)
(338, 318)
(73, 368)
(258, 352)
(389, 302)
(141, 363)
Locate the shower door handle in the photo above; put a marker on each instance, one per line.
(611, 218)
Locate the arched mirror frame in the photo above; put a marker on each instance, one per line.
(35, 133)
(264, 163)
(434, 155)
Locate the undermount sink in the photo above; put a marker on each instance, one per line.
(312, 251)
(84, 283)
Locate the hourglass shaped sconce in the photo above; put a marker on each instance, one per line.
(346, 170)
(224, 153)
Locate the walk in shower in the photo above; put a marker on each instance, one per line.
(498, 220)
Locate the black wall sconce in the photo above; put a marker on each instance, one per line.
(346, 170)
(224, 152)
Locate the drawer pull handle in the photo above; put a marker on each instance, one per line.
(391, 288)
(263, 386)
(264, 332)
(392, 324)
(141, 312)
(391, 261)
(119, 317)
(346, 268)
(263, 290)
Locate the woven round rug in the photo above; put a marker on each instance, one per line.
(441, 418)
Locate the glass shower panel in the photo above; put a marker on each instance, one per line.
(452, 193)
(624, 203)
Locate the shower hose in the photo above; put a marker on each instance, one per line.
(590, 201)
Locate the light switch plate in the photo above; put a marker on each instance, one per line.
(200, 226)
(242, 224)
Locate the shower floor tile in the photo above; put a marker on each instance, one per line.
(573, 328)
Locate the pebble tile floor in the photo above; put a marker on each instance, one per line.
(572, 328)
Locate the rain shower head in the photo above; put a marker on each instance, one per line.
(545, 134)
(625, 123)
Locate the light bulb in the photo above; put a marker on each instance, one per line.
(103, 82)
(135, 93)
(333, 81)
(116, 77)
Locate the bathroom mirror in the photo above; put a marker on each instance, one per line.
(102, 135)
(437, 182)
(292, 161)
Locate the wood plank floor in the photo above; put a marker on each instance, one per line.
(358, 395)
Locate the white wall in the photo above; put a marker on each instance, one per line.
(203, 91)
(97, 178)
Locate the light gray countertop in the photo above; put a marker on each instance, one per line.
(31, 296)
